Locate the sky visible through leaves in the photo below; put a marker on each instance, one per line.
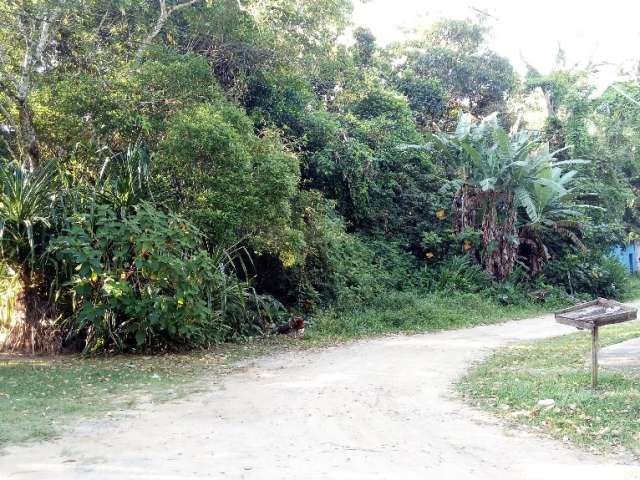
(586, 30)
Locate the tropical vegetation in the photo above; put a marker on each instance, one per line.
(175, 175)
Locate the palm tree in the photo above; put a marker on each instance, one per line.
(26, 206)
(498, 175)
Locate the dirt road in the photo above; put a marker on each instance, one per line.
(375, 409)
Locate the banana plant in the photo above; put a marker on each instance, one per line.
(499, 175)
(551, 212)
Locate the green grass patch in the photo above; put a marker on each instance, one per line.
(410, 312)
(511, 382)
(632, 288)
(40, 396)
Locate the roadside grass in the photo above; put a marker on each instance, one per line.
(409, 312)
(632, 289)
(512, 381)
(40, 396)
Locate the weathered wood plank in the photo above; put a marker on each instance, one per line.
(595, 313)
(591, 316)
(578, 306)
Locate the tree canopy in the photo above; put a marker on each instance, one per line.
(171, 162)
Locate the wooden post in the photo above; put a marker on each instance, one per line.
(591, 316)
(594, 357)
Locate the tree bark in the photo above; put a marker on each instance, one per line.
(465, 203)
(31, 328)
(499, 235)
(36, 34)
(27, 135)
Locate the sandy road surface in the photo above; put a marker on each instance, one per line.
(375, 409)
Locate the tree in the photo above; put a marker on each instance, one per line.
(454, 54)
(498, 176)
(26, 34)
(552, 214)
(27, 200)
(602, 130)
(365, 45)
(163, 16)
(232, 184)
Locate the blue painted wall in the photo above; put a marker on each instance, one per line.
(627, 255)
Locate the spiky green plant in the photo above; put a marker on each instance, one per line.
(26, 206)
(26, 209)
(124, 178)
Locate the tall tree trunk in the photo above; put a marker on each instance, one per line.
(27, 135)
(36, 29)
(499, 235)
(465, 204)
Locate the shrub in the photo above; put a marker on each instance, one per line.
(596, 275)
(364, 268)
(412, 311)
(520, 289)
(143, 281)
(459, 273)
(340, 269)
(356, 269)
(232, 184)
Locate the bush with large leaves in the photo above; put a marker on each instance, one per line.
(144, 281)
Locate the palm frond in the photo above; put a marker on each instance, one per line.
(573, 237)
(574, 161)
(523, 199)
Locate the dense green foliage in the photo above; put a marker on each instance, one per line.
(141, 280)
(169, 181)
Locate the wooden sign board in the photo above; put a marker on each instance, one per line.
(597, 313)
(591, 316)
